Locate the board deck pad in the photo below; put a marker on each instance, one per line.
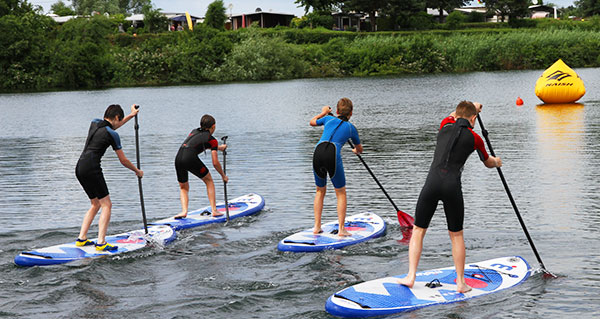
(238, 207)
(385, 296)
(126, 242)
(362, 226)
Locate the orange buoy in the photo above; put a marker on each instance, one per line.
(519, 101)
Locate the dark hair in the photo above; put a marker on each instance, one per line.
(466, 109)
(207, 122)
(114, 110)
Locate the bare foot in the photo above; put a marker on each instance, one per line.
(407, 281)
(317, 231)
(463, 288)
(217, 214)
(344, 233)
(180, 216)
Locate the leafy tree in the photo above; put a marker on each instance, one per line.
(588, 7)
(14, 7)
(133, 6)
(85, 7)
(455, 19)
(80, 58)
(400, 11)
(447, 5)
(154, 20)
(511, 8)
(215, 15)
(368, 6)
(317, 19)
(61, 9)
(25, 49)
(318, 5)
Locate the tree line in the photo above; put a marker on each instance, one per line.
(400, 12)
(91, 52)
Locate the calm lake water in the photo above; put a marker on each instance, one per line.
(551, 156)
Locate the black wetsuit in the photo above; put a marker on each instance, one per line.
(88, 170)
(187, 157)
(455, 142)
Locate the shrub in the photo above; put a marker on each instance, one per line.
(455, 19)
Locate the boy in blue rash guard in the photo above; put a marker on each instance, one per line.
(327, 159)
(89, 172)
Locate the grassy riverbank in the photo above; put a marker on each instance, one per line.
(89, 54)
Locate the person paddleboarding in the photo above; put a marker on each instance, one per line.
(101, 135)
(327, 159)
(456, 140)
(198, 141)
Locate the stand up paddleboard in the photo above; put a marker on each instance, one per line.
(362, 227)
(238, 207)
(432, 287)
(126, 242)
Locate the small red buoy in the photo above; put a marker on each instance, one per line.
(519, 101)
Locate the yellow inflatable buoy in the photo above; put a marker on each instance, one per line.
(559, 84)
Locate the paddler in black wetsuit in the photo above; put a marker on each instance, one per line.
(198, 141)
(101, 135)
(456, 140)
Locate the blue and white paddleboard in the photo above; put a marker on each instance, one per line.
(362, 226)
(126, 242)
(385, 296)
(238, 207)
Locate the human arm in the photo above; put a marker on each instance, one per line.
(324, 112)
(217, 165)
(127, 163)
(493, 161)
(134, 112)
(222, 147)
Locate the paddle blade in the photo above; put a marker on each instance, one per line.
(405, 219)
(406, 234)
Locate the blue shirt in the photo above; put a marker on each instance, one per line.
(337, 135)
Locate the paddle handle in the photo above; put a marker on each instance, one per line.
(510, 197)
(137, 155)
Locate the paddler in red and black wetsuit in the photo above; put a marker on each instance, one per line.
(198, 141)
(456, 140)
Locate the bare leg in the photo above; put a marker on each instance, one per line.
(458, 254)
(210, 190)
(414, 255)
(106, 205)
(340, 194)
(184, 189)
(318, 208)
(89, 218)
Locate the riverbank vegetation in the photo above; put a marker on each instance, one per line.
(37, 54)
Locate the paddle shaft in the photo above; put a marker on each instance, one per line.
(137, 155)
(512, 200)
(375, 178)
(224, 138)
(403, 218)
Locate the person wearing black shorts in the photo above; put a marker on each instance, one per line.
(198, 141)
(456, 140)
(101, 135)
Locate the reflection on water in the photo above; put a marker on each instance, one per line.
(560, 151)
